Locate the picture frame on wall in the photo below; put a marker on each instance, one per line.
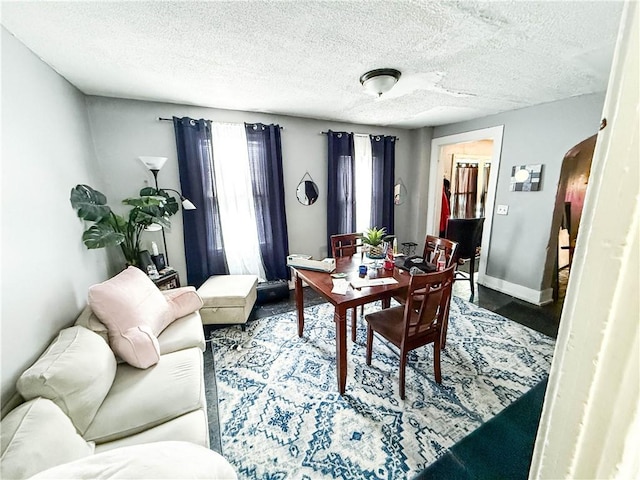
(526, 178)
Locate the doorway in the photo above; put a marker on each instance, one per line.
(488, 149)
(572, 188)
(468, 174)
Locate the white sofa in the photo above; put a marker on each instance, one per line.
(81, 402)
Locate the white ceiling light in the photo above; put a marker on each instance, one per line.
(377, 82)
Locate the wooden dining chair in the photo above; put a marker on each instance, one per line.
(433, 245)
(346, 245)
(418, 322)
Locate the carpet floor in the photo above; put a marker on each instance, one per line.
(280, 415)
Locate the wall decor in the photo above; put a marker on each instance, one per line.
(307, 191)
(525, 178)
(399, 193)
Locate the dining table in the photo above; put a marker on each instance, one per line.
(348, 268)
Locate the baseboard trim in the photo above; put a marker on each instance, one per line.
(536, 297)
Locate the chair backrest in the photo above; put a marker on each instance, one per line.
(427, 307)
(467, 232)
(433, 245)
(345, 245)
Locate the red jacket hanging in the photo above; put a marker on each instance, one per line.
(445, 212)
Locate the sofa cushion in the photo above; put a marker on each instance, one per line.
(185, 332)
(75, 372)
(191, 427)
(152, 460)
(36, 436)
(142, 399)
(130, 305)
(89, 320)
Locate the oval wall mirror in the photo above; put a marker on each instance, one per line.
(307, 191)
(399, 193)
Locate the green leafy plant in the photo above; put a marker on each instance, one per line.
(374, 236)
(111, 229)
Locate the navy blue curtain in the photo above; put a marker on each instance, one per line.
(341, 185)
(383, 153)
(204, 250)
(265, 163)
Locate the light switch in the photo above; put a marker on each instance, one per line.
(502, 209)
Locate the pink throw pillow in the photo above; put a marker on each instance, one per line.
(182, 301)
(132, 308)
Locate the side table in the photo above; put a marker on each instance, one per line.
(168, 280)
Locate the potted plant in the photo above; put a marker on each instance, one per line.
(111, 229)
(373, 238)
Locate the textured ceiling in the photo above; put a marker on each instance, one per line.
(459, 60)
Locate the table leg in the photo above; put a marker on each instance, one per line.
(299, 304)
(340, 317)
(354, 323)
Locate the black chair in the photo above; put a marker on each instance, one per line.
(467, 232)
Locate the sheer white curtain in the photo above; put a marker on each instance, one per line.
(363, 176)
(235, 199)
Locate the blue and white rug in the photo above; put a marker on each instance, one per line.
(282, 418)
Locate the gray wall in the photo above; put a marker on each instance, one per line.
(521, 252)
(125, 129)
(54, 137)
(46, 150)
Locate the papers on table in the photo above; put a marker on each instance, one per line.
(340, 286)
(372, 282)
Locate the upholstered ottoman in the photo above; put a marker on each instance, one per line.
(228, 299)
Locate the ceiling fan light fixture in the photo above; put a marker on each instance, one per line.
(379, 81)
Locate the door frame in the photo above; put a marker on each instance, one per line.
(436, 170)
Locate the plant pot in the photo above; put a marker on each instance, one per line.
(375, 252)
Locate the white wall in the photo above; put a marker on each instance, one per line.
(46, 150)
(519, 252)
(125, 129)
(590, 424)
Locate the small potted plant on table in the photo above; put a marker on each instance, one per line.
(373, 238)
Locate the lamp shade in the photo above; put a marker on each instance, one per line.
(187, 205)
(154, 227)
(153, 163)
(377, 82)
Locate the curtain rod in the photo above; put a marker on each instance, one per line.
(171, 120)
(373, 134)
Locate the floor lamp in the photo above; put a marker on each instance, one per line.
(155, 164)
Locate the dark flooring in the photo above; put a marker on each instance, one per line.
(502, 447)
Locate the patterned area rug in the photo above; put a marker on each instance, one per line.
(281, 416)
